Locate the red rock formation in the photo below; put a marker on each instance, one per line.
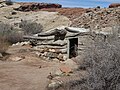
(36, 6)
(113, 5)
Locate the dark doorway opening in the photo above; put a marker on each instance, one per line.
(73, 47)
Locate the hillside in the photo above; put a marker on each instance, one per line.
(49, 20)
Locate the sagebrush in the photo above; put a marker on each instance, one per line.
(102, 62)
(30, 27)
(8, 35)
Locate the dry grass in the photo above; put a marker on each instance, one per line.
(3, 45)
(8, 36)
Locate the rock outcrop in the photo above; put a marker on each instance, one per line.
(114, 5)
(97, 19)
(36, 6)
(2, 3)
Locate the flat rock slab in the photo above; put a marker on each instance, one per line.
(65, 69)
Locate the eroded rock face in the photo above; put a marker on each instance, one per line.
(113, 5)
(36, 6)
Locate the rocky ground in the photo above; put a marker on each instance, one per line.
(98, 18)
(94, 18)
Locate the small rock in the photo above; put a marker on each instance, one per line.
(60, 57)
(64, 57)
(17, 44)
(58, 73)
(13, 13)
(55, 85)
(45, 54)
(38, 54)
(50, 76)
(21, 44)
(65, 69)
(56, 60)
(71, 64)
(15, 59)
(51, 50)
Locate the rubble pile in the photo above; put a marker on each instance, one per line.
(98, 18)
(36, 6)
(50, 54)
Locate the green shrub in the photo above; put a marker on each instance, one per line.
(30, 27)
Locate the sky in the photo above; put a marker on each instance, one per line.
(77, 3)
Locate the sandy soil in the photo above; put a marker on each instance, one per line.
(28, 74)
(24, 76)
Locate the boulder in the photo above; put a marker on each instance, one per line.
(114, 5)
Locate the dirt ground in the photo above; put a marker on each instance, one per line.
(28, 74)
(24, 76)
(70, 13)
(31, 73)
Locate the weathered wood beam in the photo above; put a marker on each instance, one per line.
(52, 43)
(47, 33)
(39, 38)
(76, 30)
(51, 47)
